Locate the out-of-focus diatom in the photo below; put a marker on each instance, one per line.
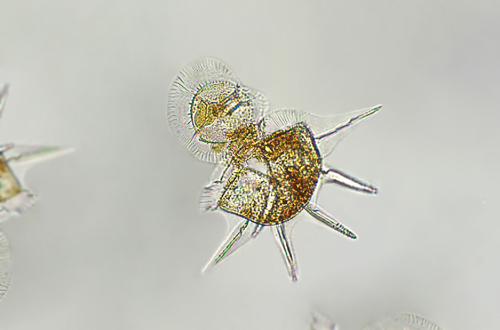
(15, 198)
(270, 165)
(4, 265)
(403, 322)
(400, 322)
(321, 322)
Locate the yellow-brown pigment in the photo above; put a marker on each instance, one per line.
(293, 163)
(9, 186)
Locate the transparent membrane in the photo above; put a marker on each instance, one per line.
(195, 79)
(328, 130)
(403, 322)
(282, 234)
(240, 232)
(5, 265)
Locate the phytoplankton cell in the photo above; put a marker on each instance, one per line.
(15, 198)
(269, 165)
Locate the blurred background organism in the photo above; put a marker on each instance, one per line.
(15, 198)
(404, 321)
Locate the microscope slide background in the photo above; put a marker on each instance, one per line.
(116, 240)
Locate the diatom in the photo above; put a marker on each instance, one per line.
(15, 198)
(269, 165)
(400, 322)
(5, 275)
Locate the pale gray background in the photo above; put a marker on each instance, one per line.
(116, 241)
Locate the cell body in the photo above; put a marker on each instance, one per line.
(222, 116)
(9, 185)
(404, 321)
(5, 265)
(270, 165)
(293, 166)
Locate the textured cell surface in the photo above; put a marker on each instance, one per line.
(205, 103)
(5, 273)
(403, 322)
(293, 167)
(400, 322)
(15, 198)
(270, 165)
(218, 109)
